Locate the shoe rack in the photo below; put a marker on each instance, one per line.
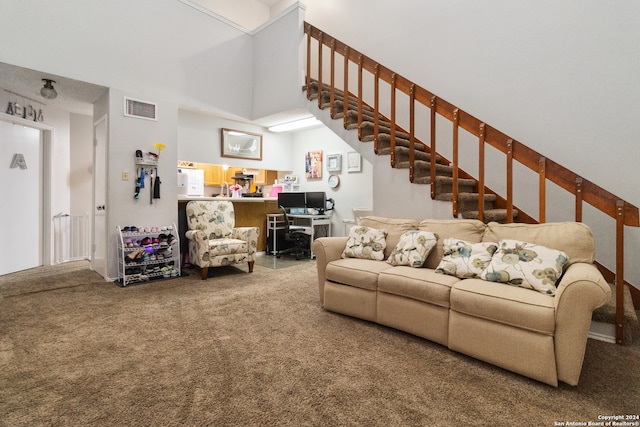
(147, 253)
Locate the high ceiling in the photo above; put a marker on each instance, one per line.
(78, 97)
(73, 95)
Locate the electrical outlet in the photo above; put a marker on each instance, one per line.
(125, 176)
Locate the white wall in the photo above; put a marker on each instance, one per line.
(278, 53)
(159, 46)
(126, 135)
(81, 164)
(199, 140)
(246, 13)
(355, 190)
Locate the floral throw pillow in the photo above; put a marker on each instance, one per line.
(465, 260)
(526, 264)
(365, 243)
(413, 248)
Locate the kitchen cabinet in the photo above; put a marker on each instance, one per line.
(265, 177)
(230, 173)
(213, 174)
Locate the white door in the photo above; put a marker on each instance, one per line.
(99, 220)
(21, 197)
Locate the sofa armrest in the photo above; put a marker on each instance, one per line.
(249, 235)
(582, 289)
(326, 249)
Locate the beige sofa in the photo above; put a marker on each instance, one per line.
(540, 336)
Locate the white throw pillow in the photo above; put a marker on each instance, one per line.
(464, 259)
(365, 243)
(413, 248)
(526, 264)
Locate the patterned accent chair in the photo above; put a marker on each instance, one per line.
(214, 240)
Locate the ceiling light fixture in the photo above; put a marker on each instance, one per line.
(297, 124)
(48, 90)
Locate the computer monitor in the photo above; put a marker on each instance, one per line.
(317, 200)
(291, 200)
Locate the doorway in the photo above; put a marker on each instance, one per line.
(22, 206)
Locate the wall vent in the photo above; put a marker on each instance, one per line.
(140, 109)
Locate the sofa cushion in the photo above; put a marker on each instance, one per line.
(465, 260)
(526, 264)
(573, 238)
(470, 230)
(422, 284)
(360, 273)
(510, 305)
(412, 248)
(394, 226)
(365, 243)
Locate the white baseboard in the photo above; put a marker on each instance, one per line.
(603, 332)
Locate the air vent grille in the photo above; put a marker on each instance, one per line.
(140, 109)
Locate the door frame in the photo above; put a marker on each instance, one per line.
(102, 269)
(46, 140)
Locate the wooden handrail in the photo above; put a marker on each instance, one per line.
(584, 191)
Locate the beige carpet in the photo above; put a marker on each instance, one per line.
(257, 350)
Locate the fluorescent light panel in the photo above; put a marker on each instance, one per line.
(297, 124)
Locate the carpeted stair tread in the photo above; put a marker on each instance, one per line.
(490, 215)
(402, 155)
(466, 197)
(468, 202)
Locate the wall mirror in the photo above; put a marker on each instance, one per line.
(241, 144)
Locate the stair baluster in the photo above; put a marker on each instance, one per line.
(332, 76)
(481, 147)
(412, 130)
(509, 180)
(345, 90)
(376, 108)
(360, 97)
(320, 45)
(393, 121)
(454, 197)
(432, 132)
(542, 204)
(579, 199)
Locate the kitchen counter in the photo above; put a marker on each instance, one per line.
(230, 199)
(249, 212)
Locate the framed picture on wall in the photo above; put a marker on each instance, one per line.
(354, 162)
(313, 164)
(241, 145)
(334, 162)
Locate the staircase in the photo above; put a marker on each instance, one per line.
(469, 196)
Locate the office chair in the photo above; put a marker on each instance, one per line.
(296, 234)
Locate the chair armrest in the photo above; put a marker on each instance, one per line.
(249, 235)
(581, 290)
(195, 235)
(326, 249)
(198, 247)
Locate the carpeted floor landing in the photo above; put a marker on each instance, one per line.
(257, 350)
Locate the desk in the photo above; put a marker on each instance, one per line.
(275, 222)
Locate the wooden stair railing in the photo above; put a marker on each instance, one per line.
(624, 213)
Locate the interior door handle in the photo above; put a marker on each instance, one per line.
(101, 207)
